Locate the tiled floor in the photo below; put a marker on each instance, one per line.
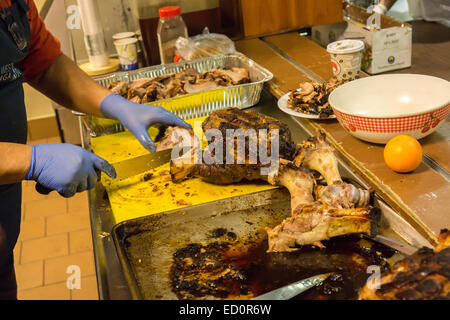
(55, 234)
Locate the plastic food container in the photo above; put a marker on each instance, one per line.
(171, 26)
(346, 58)
(128, 53)
(193, 105)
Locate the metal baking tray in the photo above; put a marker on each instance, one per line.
(146, 246)
(192, 105)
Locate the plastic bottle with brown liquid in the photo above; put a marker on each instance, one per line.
(170, 27)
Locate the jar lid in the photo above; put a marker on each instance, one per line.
(170, 11)
(123, 35)
(345, 46)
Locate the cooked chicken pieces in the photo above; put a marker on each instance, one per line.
(424, 275)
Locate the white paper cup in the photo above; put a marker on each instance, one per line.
(346, 58)
(127, 51)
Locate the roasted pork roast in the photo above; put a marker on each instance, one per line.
(318, 212)
(424, 275)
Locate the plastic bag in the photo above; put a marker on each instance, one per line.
(203, 45)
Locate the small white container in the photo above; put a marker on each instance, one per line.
(346, 58)
(128, 53)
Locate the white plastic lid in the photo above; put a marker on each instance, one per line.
(345, 46)
(123, 35)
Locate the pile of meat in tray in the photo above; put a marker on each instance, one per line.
(319, 212)
(146, 90)
(312, 98)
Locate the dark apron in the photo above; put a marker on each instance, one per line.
(13, 128)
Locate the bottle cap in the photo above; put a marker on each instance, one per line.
(170, 11)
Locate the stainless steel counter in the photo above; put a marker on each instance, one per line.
(110, 278)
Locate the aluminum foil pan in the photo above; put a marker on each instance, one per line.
(192, 105)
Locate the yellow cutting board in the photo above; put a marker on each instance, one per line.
(147, 194)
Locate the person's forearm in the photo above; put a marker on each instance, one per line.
(15, 162)
(65, 83)
(388, 3)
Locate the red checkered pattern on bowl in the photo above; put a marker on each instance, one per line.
(388, 125)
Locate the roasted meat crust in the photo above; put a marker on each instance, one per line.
(424, 275)
(235, 119)
(221, 174)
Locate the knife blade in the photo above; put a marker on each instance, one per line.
(401, 247)
(135, 166)
(293, 289)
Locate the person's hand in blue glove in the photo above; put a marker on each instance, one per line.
(66, 168)
(138, 117)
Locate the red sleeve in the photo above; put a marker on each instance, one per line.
(44, 48)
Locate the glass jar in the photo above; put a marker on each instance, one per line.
(170, 27)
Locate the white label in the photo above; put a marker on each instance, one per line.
(391, 49)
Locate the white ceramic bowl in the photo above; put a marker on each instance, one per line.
(378, 108)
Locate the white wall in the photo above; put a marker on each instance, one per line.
(37, 105)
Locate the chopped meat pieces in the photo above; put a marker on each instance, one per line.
(312, 97)
(147, 90)
(119, 87)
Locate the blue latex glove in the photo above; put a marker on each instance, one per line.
(139, 117)
(66, 168)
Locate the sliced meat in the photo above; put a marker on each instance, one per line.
(175, 84)
(140, 83)
(136, 99)
(119, 87)
(174, 88)
(224, 77)
(137, 91)
(174, 136)
(201, 85)
(188, 75)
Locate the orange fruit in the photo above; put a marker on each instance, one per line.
(403, 153)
